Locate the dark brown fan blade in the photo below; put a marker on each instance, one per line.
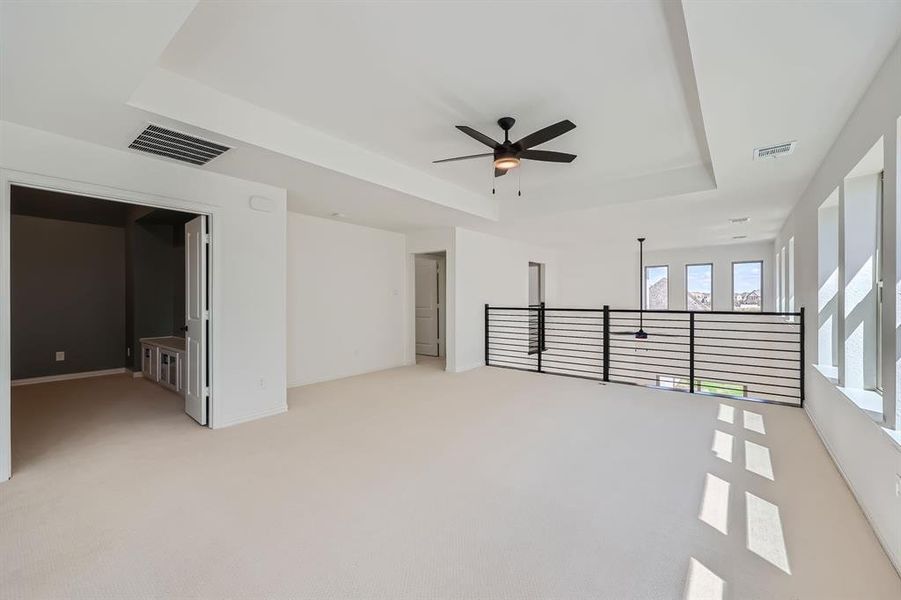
(547, 156)
(499, 172)
(478, 136)
(548, 133)
(463, 157)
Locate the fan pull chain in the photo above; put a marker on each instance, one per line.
(519, 180)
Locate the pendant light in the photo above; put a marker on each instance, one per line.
(641, 334)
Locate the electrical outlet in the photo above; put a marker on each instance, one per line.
(262, 383)
(60, 356)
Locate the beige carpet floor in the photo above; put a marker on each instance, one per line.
(415, 483)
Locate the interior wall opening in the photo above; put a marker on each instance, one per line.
(101, 293)
(430, 290)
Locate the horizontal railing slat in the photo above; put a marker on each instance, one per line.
(744, 355)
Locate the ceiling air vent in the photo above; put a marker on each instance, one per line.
(178, 146)
(775, 151)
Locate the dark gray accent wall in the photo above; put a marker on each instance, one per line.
(64, 249)
(67, 294)
(178, 280)
(153, 284)
(155, 278)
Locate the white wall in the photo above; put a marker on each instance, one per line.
(346, 299)
(863, 451)
(722, 258)
(481, 269)
(492, 270)
(593, 276)
(596, 275)
(248, 259)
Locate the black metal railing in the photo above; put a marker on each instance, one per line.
(749, 355)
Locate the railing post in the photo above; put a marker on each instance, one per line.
(606, 343)
(540, 333)
(543, 323)
(486, 335)
(691, 352)
(801, 360)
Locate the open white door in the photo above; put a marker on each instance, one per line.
(427, 305)
(196, 318)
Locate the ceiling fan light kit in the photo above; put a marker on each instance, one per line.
(505, 163)
(509, 155)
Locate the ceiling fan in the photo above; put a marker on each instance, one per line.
(507, 154)
(641, 334)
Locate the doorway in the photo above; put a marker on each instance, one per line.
(105, 293)
(430, 307)
(536, 300)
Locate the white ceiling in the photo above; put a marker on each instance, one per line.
(346, 104)
(394, 78)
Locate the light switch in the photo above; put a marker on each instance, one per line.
(60, 356)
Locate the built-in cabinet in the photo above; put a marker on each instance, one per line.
(163, 361)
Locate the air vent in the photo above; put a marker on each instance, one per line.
(178, 146)
(775, 151)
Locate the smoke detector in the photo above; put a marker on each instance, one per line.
(775, 151)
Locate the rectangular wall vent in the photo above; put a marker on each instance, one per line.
(178, 146)
(775, 151)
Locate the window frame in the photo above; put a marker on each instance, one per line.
(878, 280)
(790, 276)
(747, 262)
(705, 264)
(778, 282)
(645, 284)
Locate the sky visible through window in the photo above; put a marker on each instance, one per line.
(655, 274)
(746, 283)
(699, 278)
(746, 277)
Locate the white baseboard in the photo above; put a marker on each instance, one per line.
(66, 376)
(251, 417)
(886, 545)
(137, 374)
(293, 383)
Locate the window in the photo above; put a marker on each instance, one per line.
(747, 288)
(791, 274)
(536, 299)
(708, 386)
(779, 281)
(656, 288)
(783, 303)
(827, 279)
(699, 287)
(879, 281)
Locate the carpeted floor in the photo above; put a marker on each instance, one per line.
(415, 483)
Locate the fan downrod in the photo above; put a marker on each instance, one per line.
(506, 123)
